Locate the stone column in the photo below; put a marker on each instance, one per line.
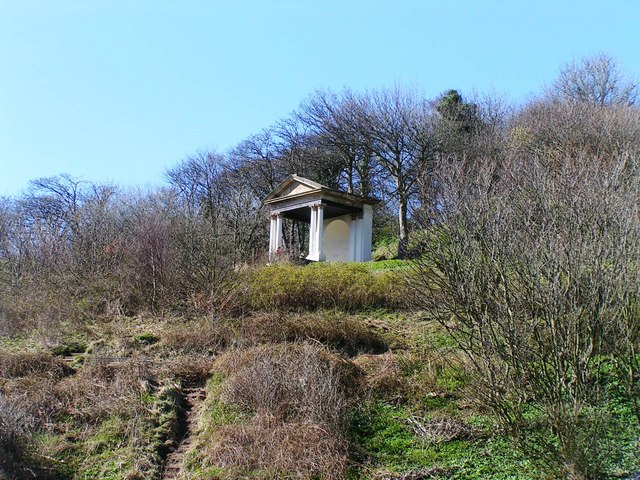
(320, 231)
(353, 238)
(272, 233)
(313, 224)
(367, 232)
(278, 238)
(275, 234)
(316, 231)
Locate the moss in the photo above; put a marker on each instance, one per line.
(69, 347)
(146, 338)
(216, 413)
(164, 422)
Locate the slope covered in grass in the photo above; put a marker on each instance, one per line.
(343, 388)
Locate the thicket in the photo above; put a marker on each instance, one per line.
(533, 269)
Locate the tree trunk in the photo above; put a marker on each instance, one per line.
(403, 236)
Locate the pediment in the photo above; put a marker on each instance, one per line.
(294, 189)
(294, 185)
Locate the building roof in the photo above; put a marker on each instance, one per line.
(295, 186)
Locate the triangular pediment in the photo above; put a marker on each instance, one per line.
(294, 185)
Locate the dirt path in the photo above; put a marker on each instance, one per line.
(193, 398)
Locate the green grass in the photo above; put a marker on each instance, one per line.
(388, 265)
(343, 286)
(387, 443)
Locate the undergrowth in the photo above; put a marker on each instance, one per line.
(318, 374)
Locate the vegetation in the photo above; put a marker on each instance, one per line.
(497, 336)
(347, 287)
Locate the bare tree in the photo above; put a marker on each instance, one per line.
(398, 127)
(596, 80)
(220, 219)
(334, 119)
(554, 132)
(302, 151)
(256, 161)
(532, 268)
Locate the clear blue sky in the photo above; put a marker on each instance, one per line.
(110, 90)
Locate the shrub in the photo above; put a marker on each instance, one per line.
(347, 286)
(532, 270)
(292, 382)
(17, 365)
(280, 450)
(146, 338)
(69, 348)
(15, 433)
(277, 411)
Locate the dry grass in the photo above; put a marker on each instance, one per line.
(203, 337)
(339, 331)
(279, 450)
(342, 332)
(101, 390)
(15, 365)
(292, 382)
(94, 393)
(188, 369)
(102, 407)
(16, 426)
(441, 430)
(382, 374)
(295, 398)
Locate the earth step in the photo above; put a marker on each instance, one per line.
(192, 398)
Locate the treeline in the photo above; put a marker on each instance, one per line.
(176, 247)
(115, 251)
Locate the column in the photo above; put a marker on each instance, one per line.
(320, 232)
(357, 234)
(367, 232)
(272, 233)
(353, 225)
(313, 224)
(278, 236)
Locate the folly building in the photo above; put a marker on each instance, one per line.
(340, 223)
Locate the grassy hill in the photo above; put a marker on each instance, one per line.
(311, 372)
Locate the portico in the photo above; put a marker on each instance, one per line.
(340, 223)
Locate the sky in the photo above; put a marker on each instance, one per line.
(118, 91)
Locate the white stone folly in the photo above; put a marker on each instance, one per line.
(339, 223)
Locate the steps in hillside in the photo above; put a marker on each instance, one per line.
(192, 398)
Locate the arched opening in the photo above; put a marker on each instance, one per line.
(336, 240)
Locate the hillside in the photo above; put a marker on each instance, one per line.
(143, 335)
(269, 390)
